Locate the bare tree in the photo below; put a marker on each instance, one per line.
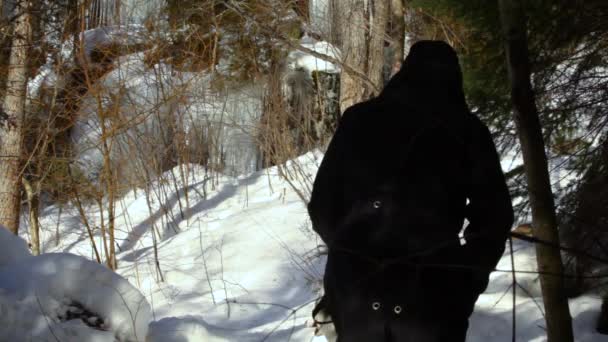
(559, 322)
(362, 33)
(11, 132)
(102, 12)
(354, 50)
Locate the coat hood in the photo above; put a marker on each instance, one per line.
(429, 76)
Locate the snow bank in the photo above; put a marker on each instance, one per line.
(12, 248)
(43, 288)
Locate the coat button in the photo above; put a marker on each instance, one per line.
(375, 306)
(377, 204)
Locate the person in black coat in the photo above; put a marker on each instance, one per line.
(400, 175)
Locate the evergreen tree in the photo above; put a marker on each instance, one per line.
(557, 313)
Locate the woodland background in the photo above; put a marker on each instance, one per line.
(103, 97)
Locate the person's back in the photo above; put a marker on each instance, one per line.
(391, 197)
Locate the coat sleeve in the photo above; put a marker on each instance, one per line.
(326, 201)
(490, 212)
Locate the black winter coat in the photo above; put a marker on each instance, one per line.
(390, 199)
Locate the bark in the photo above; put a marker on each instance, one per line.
(362, 36)
(33, 202)
(397, 35)
(379, 23)
(90, 15)
(103, 13)
(335, 28)
(11, 133)
(117, 4)
(353, 26)
(97, 15)
(93, 14)
(559, 323)
(5, 49)
(302, 8)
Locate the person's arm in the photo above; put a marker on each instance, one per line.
(325, 206)
(489, 211)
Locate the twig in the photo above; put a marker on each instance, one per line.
(46, 319)
(219, 249)
(503, 295)
(533, 299)
(200, 241)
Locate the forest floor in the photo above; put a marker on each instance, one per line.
(239, 262)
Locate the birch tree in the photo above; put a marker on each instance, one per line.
(11, 130)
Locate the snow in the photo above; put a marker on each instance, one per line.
(42, 288)
(181, 329)
(118, 34)
(239, 262)
(152, 104)
(13, 248)
(301, 60)
(44, 77)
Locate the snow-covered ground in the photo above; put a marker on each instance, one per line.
(146, 99)
(239, 262)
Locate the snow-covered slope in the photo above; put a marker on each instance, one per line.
(238, 261)
(38, 294)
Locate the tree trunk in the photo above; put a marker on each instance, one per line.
(116, 15)
(302, 8)
(33, 203)
(375, 64)
(11, 133)
(5, 49)
(93, 14)
(353, 25)
(559, 324)
(335, 27)
(103, 13)
(362, 36)
(397, 35)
